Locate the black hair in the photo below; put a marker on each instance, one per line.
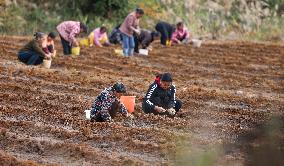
(39, 35)
(103, 28)
(52, 35)
(179, 24)
(167, 77)
(139, 11)
(119, 87)
(84, 27)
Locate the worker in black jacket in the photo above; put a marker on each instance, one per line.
(115, 36)
(160, 98)
(145, 38)
(166, 30)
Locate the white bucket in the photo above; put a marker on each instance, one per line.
(196, 42)
(88, 114)
(54, 54)
(46, 63)
(143, 51)
(118, 51)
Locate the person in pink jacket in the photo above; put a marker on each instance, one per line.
(99, 37)
(68, 30)
(130, 26)
(181, 34)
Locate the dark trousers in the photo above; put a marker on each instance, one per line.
(136, 41)
(158, 102)
(66, 46)
(30, 58)
(164, 34)
(163, 38)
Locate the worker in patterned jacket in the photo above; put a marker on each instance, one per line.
(107, 104)
(160, 98)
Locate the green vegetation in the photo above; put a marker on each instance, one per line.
(242, 19)
(246, 19)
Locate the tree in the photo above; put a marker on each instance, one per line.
(104, 8)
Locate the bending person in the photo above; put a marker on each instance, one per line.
(145, 38)
(115, 36)
(68, 30)
(166, 30)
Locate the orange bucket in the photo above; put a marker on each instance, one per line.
(129, 102)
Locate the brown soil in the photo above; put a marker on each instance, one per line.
(227, 88)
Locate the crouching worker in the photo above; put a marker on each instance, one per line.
(107, 104)
(115, 36)
(181, 34)
(160, 98)
(99, 37)
(32, 53)
(48, 46)
(145, 38)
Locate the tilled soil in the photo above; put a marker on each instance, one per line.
(228, 89)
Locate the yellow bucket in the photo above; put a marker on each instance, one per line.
(75, 51)
(84, 42)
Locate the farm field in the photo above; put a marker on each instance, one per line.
(232, 92)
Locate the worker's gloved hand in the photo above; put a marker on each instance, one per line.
(171, 111)
(168, 43)
(150, 48)
(137, 31)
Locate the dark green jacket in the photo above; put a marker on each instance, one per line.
(33, 46)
